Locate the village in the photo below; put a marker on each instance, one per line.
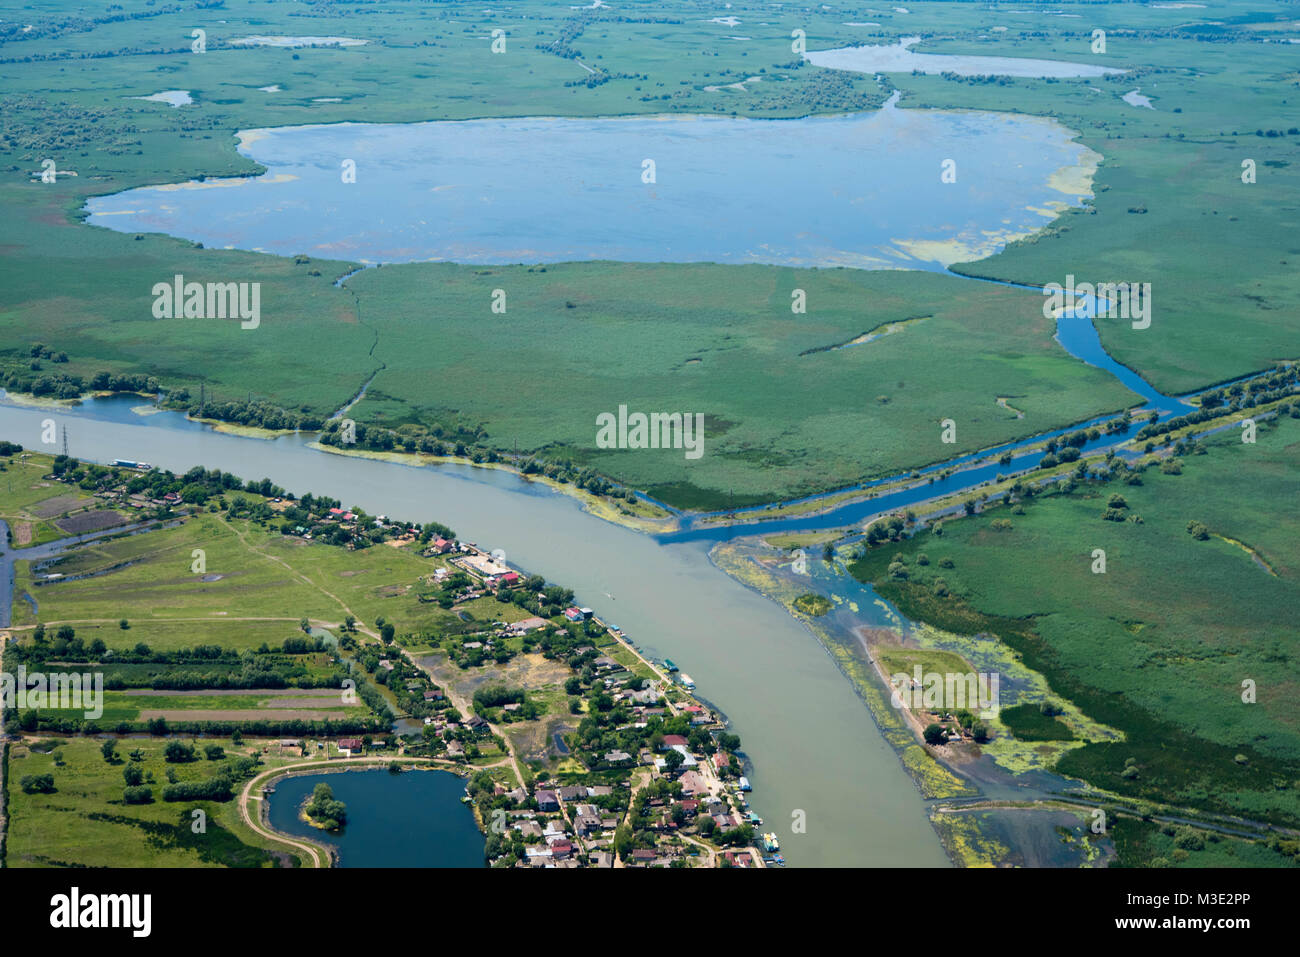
(578, 750)
(666, 786)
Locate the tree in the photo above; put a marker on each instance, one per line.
(324, 809)
(38, 784)
(124, 624)
(623, 841)
(305, 625)
(934, 734)
(350, 624)
(109, 751)
(132, 775)
(178, 752)
(673, 760)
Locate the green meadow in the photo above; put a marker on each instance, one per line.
(1169, 643)
(715, 339)
(260, 585)
(86, 823)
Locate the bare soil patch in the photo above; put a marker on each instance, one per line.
(235, 714)
(90, 521)
(59, 505)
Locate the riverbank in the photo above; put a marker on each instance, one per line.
(655, 519)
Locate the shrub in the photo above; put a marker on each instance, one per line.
(38, 784)
(177, 752)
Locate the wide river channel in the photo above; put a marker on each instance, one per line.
(813, 744)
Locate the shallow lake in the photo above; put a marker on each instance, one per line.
(861, 190)
(413, 819)
(898, 58)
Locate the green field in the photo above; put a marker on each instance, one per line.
(1218, 252)
(85, 822)
(1160, 644)
(267, 583)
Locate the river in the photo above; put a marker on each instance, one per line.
(814, 747)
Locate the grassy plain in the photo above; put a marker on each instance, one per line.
(85, 822)
(782, 424)
(266, 583)
(1163, 645)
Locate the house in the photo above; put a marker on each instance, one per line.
(529, 624)
(617, 757)
(433, 696)
(561, 849)
(475, 723)
(455, 749)
(602, 859)
(573, 614)
(547, 801)
(721, 760)
(693, 783)
(644, 856)
(440, 546)
(673, 741)
(573, 792)
(349, 746)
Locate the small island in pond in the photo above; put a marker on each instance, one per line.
(324, 810)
